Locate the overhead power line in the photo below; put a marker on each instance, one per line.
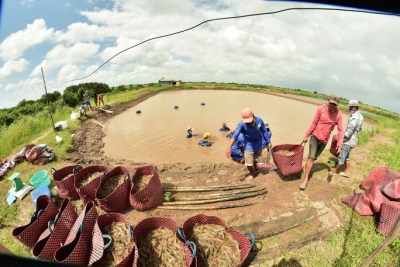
(210, 20)
(227, 18)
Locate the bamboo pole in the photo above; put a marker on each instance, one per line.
(205, 188)
(205, 207)
(385, 243)
(215, 196)
(197, 202)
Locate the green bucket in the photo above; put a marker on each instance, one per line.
(40, 178)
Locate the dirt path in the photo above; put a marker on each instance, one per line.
(283, 195)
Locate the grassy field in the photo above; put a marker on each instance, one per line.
(348, 246)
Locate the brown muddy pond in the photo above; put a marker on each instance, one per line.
(158, 134)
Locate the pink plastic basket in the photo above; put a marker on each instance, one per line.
(288, 164)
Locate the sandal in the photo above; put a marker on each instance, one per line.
(343, 174)
(303, 186)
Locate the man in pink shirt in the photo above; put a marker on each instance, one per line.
(325, 119)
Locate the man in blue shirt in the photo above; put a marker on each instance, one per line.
(253, 129)
(237, 150)
(224, 128)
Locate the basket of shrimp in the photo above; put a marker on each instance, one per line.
(112, 195)
(288, 158)
(88, 180)
(146, 189)
(216, 244)
(121, 251)
(64, 180)
(159, 244)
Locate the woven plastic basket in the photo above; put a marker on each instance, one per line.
(288, 164)
(390, 213)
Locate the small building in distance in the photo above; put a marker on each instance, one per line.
(169, 82)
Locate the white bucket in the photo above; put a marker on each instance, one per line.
(63, 124)
(75, 116)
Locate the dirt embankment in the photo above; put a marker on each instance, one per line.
(283, 195)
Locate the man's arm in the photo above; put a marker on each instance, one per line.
(228, 150)
(351, 127)
(234, 137)
(340, 132)
(265, 135)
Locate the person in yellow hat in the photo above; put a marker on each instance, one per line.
(189, 133)
(206, 140)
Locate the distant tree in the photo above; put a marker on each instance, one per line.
(315, 92)
(52, 97)
(71, 99)
(24, 102)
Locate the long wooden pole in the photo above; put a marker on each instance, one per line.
(216, 196)
(47, 99)
(205, 207)
(206, 201)
(385, 243)
(206, 188)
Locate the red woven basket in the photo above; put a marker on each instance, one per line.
(244, 243)
(84, 244)
(64, 180)
(288, 164)
(334, 145)
(376, 197)
(45, 212)
(56, 233)
(118, 200)
(152, 195)
(106, 219)
(380, 177)
(146, 225)
(392, 189)
(390, 213)
(88, 192)
(360, 203)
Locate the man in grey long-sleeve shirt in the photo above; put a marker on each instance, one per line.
(354, 126)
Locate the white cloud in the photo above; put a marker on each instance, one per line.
(31, 88)
(394, 81)
(69, 72)
(27, 3)
(15, 45)
(366, 67)
(352, 54)
(62, 55)
(11, 67)
(80, 32)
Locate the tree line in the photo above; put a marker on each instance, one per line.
(71, 97)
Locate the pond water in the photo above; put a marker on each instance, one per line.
(158, 134)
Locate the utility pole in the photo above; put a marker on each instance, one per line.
(47, 99)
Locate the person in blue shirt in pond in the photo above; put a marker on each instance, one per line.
(237, 150)
(229, 135)
(224, 128)
(253, 129)
(189, 132)
(205, 141)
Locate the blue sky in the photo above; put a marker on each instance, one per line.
(351, 54)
